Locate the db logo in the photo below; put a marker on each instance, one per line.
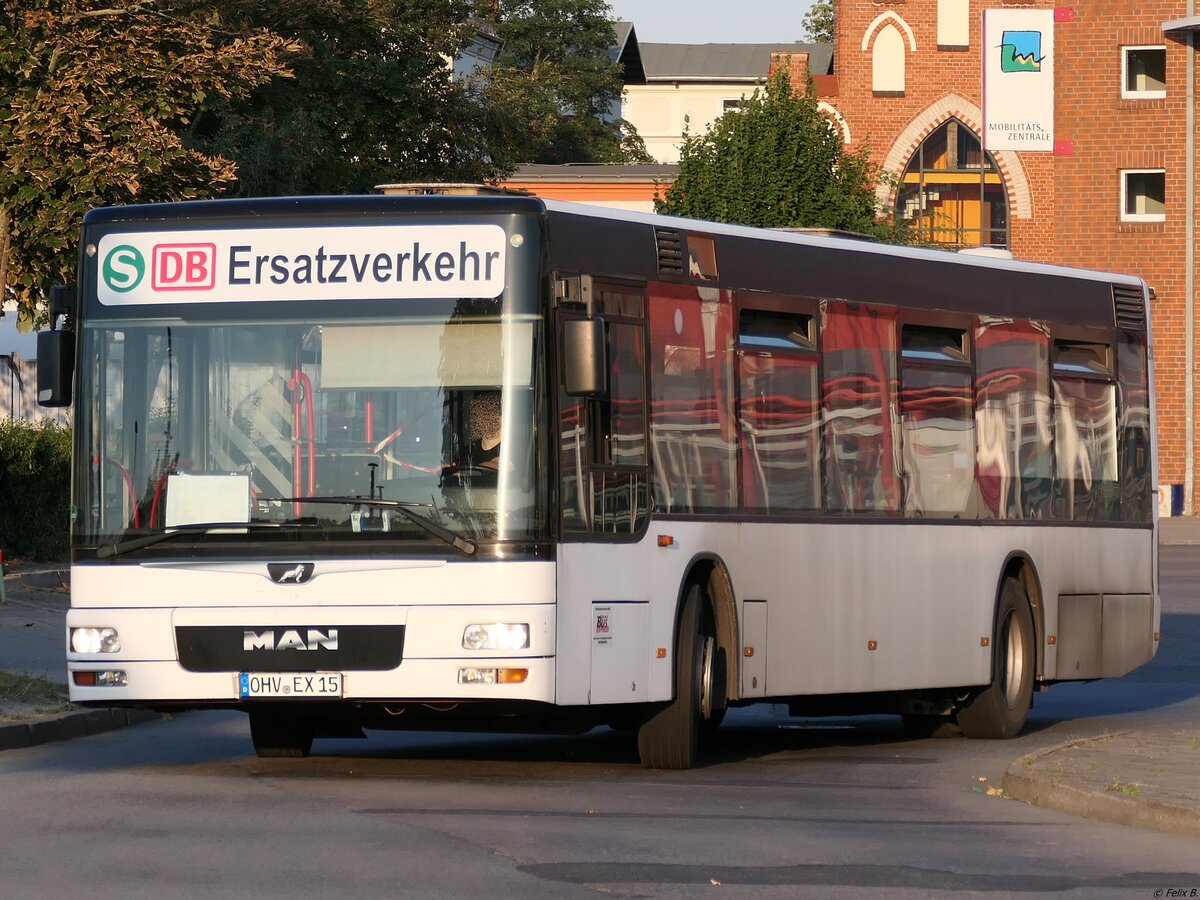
(183, 267)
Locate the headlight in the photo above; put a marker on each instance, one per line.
(497, 636)
(95, 640)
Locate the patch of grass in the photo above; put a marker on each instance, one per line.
(32, 690)
(1129, 789)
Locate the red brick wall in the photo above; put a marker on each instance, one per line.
(1075, 214)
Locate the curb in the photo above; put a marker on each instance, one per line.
(1021, 783)
(38, 578)
(69, 725)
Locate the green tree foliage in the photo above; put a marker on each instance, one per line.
(549, 96)
(35, 480)
(372, 100)
(819, 22)
(777, 162)
(97, 94)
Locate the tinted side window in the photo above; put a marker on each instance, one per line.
(1085, 432)
(938, 422)
(692, 417)
(862, 466)
(1014, 418)
(1134, 452)
(779, 413)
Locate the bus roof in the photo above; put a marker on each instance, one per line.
(840, 242)
(238, 210)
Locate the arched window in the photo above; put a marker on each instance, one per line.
(887, 61)
(952, 191)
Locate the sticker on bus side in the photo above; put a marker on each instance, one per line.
(347, 263)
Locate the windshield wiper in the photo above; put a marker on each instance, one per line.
(464, 545)
(108, 551)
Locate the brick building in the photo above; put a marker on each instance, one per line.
(1114, 189)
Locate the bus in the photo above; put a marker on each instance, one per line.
(500, 463)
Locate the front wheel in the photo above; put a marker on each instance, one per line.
(670, 737)
(1000, 709)
(279, 736)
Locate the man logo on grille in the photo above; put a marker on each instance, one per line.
(290, 573)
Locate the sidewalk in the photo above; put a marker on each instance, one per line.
(1174, 530)
(1150, 779)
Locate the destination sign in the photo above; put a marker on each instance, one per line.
(371, 262)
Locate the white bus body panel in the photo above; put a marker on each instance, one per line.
(435, 601)
(924, 594)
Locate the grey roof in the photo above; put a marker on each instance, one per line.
(725, 62)
(626, 51)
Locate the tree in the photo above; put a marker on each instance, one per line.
(551, 93)
(819, 23)
(371, 100)
(777, 162)
(97, 95)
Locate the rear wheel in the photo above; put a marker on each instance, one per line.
(670, 737)
(280, 736)
(713, 700)
(1000, 709)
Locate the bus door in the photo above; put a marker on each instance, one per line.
(604, 497)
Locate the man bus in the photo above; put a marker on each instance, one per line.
(725, 465)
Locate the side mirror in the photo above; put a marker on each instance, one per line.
(55, 367)
(585, 368)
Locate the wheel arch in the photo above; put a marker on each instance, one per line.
(720, 614)
(1020, 566)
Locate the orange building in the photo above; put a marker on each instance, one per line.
(632, 187)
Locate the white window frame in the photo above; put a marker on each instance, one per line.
(732, 104)
(1140, 217)
(1127, 94)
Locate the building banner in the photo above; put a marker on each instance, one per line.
(1018, 79)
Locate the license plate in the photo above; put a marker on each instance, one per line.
(290, 684)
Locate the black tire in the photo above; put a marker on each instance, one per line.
(280, 736)
(999, 711)
(670, 737)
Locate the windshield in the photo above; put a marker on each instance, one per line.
(289, 422)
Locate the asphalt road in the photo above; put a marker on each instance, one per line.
(781, 808)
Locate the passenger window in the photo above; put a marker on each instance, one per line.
(862, 469)
(692, 410)
(1085, 432)
(1136, 487)
(779, 413)
(937, 423)
(1014, 418)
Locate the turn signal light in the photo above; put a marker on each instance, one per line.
(492, 676)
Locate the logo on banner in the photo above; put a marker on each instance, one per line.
(123, 268)
(1021, 51)
(184, 267)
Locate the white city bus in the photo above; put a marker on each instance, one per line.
(501, 463)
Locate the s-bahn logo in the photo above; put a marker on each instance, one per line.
(123, 268)
(290, 573)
